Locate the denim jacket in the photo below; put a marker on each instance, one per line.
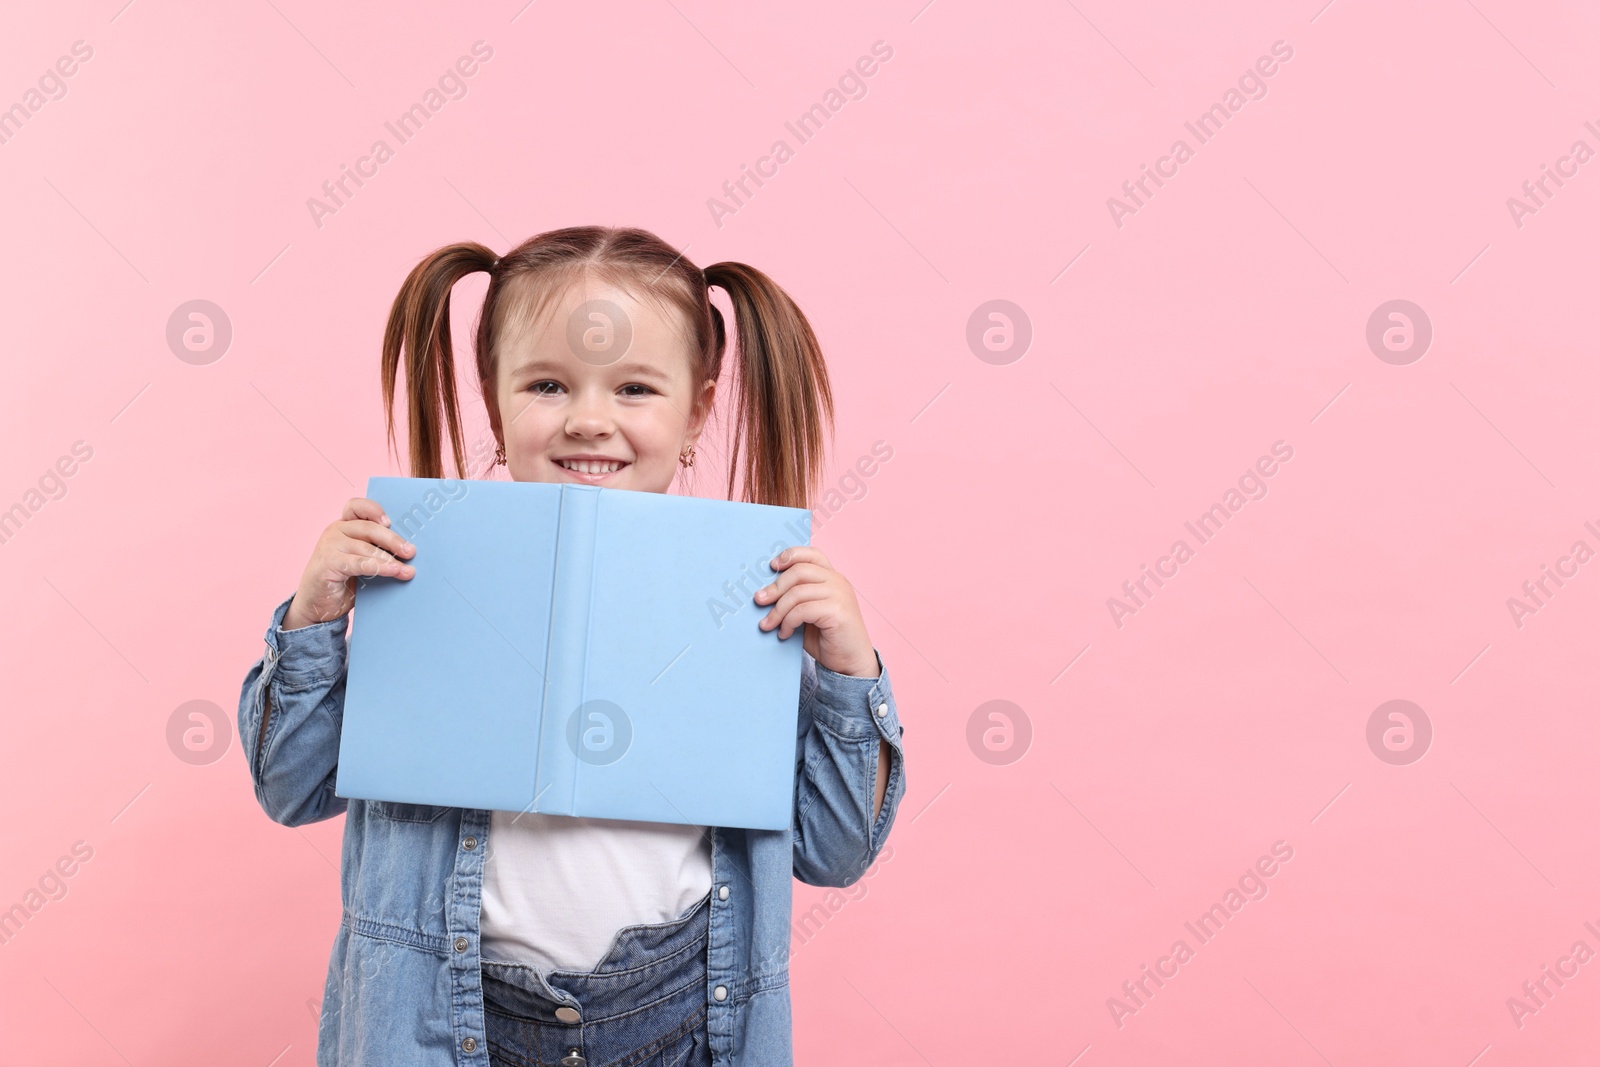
(403, 983)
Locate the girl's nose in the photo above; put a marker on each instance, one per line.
(589, 417)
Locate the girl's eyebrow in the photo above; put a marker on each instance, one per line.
(633, 368)
(636, 369)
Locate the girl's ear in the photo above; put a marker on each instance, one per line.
(702, 410)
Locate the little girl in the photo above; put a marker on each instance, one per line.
(494, 938)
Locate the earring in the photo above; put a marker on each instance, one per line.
(686, 458)
(500, 456)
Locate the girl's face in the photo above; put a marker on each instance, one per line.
(601, 395)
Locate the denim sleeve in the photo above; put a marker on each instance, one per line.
(841, 721)
(292, 741)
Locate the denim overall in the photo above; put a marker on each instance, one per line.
(644, 1004)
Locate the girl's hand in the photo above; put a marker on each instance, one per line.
(810, 590)
(359, 545)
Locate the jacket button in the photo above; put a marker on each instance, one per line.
(720, 993)
(469, 1044)
(883, 709)
(567, 1015)
(470, 843)
(722, 894)
(461, 944)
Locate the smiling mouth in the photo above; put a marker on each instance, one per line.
(591, 467)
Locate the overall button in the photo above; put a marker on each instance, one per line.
(567, 1015)
(722, 894)
(574, 1058)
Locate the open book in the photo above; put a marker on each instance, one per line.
(575, 650)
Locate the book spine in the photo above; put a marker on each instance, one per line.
(556, 777)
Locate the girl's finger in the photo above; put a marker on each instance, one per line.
(815, 611)
(797, 573)
(358, 559)
(800, 554)
(359, 507)
(382, 536)
(801, 594)
(364, 569)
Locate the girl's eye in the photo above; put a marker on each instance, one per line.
(546, 387)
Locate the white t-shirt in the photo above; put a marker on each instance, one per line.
(557, 888)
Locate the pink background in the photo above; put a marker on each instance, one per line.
(1227, 314)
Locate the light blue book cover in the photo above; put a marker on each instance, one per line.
(575, 650)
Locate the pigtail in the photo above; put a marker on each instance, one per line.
(781, 399)
(419, 327)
